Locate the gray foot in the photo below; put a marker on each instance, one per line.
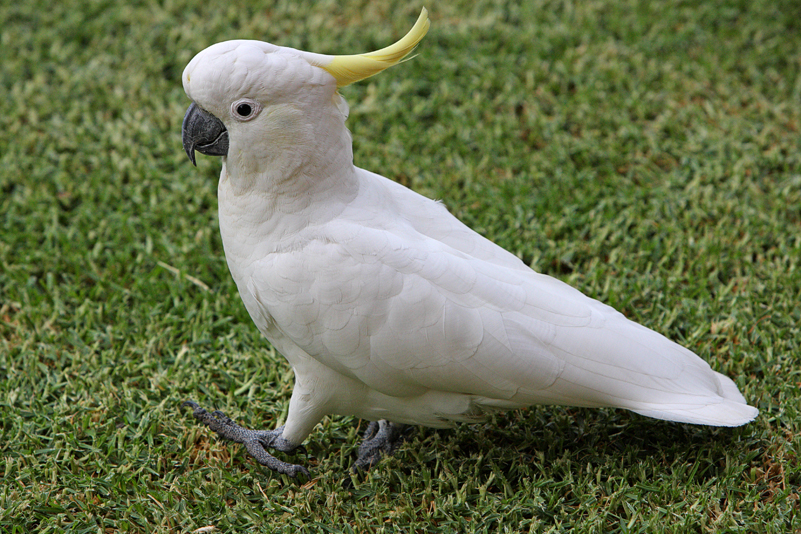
(254, 440)
(380, 438)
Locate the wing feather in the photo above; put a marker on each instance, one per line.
(425, 304)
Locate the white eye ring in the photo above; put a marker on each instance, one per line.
(245, 109)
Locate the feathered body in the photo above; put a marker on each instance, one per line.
(387, 306)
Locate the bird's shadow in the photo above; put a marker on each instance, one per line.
(552, 441)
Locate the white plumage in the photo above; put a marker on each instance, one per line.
(385, 305)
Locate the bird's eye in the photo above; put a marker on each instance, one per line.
(245, 109)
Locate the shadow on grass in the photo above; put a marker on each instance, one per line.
(554, 441)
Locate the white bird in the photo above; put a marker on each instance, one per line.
(386, 306)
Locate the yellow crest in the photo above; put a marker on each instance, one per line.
(349, 69)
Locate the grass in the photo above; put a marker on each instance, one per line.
(647, 153)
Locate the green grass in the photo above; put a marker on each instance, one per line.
(647, 153)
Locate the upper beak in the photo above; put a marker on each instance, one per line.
(203, 132)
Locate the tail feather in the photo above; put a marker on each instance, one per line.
(730, 409)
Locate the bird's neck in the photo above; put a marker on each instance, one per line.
(264, 212)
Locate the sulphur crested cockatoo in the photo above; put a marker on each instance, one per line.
(385, 305)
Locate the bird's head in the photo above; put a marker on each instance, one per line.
(261, 104)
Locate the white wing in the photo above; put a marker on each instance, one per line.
(401, 296)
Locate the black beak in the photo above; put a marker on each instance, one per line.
(203, 132)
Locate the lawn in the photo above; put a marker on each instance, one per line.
(647, 153)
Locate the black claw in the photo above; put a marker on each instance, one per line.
(381, 438)
(370, 432)
(254, 441)
(266, 459)
(299, 469)
(301, 449)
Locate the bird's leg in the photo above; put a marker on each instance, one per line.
(380, 438)
(254, 440)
